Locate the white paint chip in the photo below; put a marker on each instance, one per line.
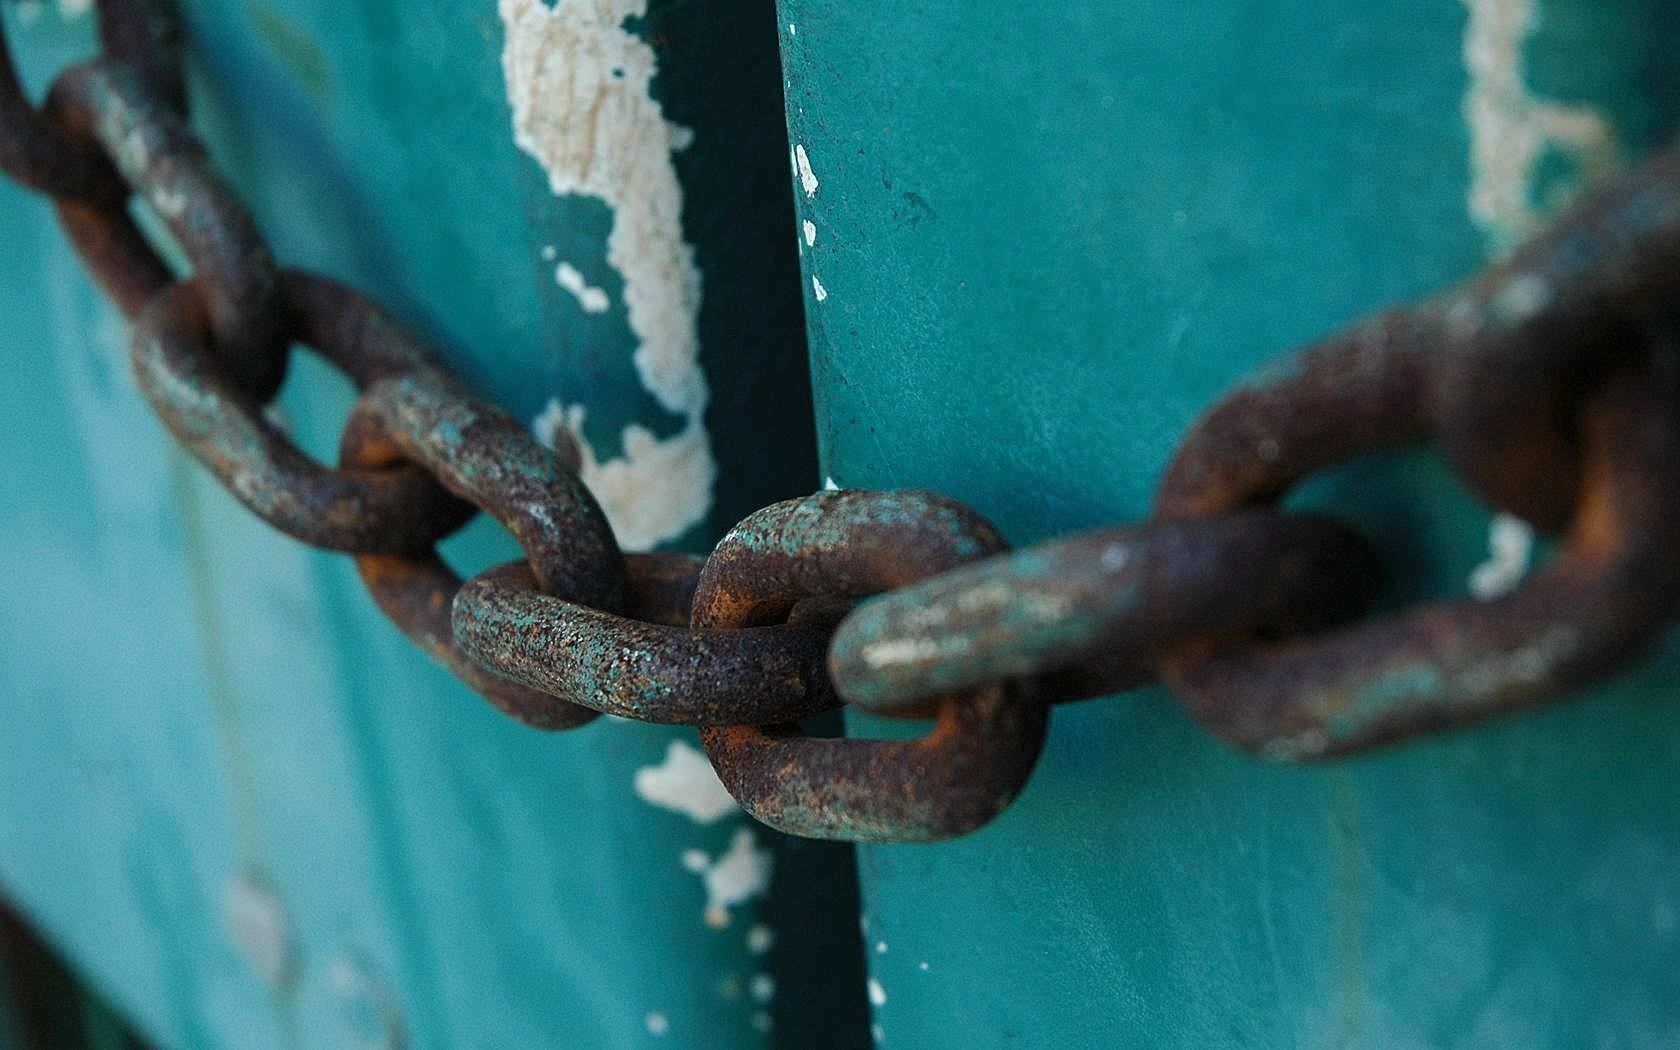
(657, 1023)
(830, 485)
(760, 939)
(549, 252)
(655, 491)
(1510, 545)
(579, 84)
(877, 994)
(880, 947)
(592, 299)
(696, 860)
(762, 986)
(807, 178)
(877, 1032)
(741, 874)
(817, 289)
(1512, 130)
(686, 783)
(68, 9)
(922, 966)
(810, 230)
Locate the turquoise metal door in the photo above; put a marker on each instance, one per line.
(1025, 248)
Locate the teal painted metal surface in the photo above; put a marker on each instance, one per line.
(231, 793)
(1039, 242)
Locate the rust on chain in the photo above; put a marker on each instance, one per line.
(146, 35)
(633, 667)
(1107, 599)
(849, 545)
(1602, 596)
(225, 428)
(483, 456)
(148, 141)
(1529, 336)
(37, 152)
(487, 459)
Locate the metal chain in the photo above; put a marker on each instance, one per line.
(1550, 381)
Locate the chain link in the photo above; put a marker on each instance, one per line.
(1551, 382)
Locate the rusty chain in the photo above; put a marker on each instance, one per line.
(1551, 382)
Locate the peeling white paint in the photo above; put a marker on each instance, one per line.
(762, 987)
(578, 83)
(830, 485)
(760, 939)
(741, 874)
(802, 165)
(1512, 130)
(880, 947)
(68, 9)
(877, 1032)
(550, 253)
(810, 230)
(657, 1023)
(1510, 545)
(877, 994)
(695, 860)
(655, 491)
(817, 289)
(686, 783)
(592, 299)
(922, 966)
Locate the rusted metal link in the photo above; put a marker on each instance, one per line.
(158, 156)
(1604, 594)
(36, 152)
(1531, 339)
(485, 457)
(146, 35)
(1109, 599)
(850, 545)
(397, 510)
(416, 592)
(626, 666)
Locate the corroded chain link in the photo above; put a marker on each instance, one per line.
(1551, 381)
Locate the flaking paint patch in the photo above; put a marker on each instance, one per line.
(817, 288)
(802, 166)
(655, 491)
(1512, 130)
(1510, 545)
(685, 783)
(592, 299)
(741, 874)
(578, 84)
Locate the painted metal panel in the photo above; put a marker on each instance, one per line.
(235, 797)
(1036, 242)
